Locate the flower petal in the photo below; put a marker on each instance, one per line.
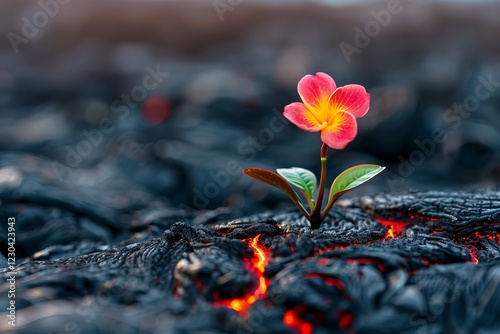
(315, 90)
(341, 131)
(351, 98)
(298, 114)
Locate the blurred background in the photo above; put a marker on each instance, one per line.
(160, 104)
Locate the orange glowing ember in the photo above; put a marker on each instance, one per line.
(394, 229)
(496, 238)
(474, 257)
(259, 266)
(422, 218)
(261, 256)
(301, 326)
(472, 251)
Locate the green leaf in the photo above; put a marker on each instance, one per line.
(274, 180)
(351, 178)
(301, 178)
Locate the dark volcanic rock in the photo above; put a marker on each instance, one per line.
(414, 263)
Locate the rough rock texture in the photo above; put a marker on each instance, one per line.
(413, 263)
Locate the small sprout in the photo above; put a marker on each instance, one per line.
(331, 111)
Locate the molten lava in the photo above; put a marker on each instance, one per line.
(258, 267)
(495, 238)
(422, 217)
(394, 229)
(293, 318)
(473, 255)
(472, 242)
(290, 319)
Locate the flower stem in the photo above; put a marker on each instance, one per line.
(328, 207)
(316, 213)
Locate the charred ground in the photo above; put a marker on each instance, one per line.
(415, 263)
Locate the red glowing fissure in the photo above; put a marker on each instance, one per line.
(300, 326)
(394, 229)
(490, 237)
(292, 318)
(258, 266)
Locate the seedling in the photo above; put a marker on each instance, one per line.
(331, 111)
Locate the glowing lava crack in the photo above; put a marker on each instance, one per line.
(258, 267)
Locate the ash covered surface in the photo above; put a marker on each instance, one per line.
(424, 262)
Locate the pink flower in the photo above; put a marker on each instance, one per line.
(328, 109)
